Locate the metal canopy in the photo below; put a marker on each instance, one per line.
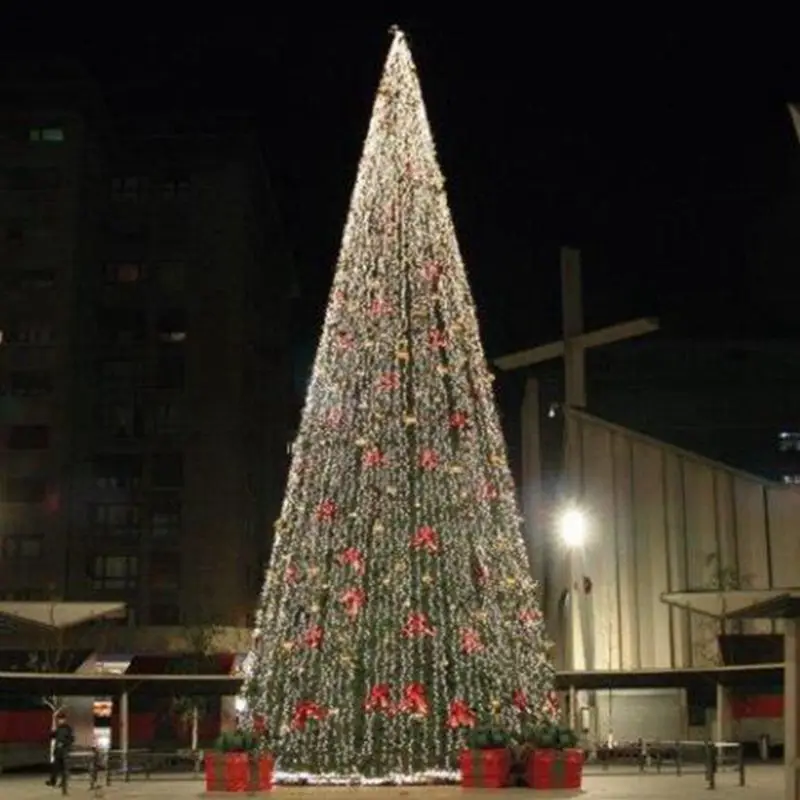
(82, 685)
(749, 675)
(217, 685)
(59, 615)
(783, 603)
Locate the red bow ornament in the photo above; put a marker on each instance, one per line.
(414, 700)
(488, 491)
(373, 458)
(432, 271)
(352, 600)
(458, 420)
(520, 700)
(437, 339)
(389, 381)
(530, 616)
(335, 416)
(417, 624)
(353, 557)
(461, 715)
(379, 307)
(313, 637)
(291, 575)
(326, 510)
(345, 340)
(471, 641)
(481, 574)
(306, 710)
(426, 539)
(379, 698)
(429, 459)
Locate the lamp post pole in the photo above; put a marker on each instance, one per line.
(574, 398)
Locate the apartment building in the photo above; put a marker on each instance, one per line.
(145, 375)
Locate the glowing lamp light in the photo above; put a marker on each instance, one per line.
(572, 526)
(240, 704)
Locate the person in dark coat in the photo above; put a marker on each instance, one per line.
(63, 739)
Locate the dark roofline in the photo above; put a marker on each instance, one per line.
(217, 685)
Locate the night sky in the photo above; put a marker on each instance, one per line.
(659, 147)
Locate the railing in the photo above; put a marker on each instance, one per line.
(680, 758)
(103, 765)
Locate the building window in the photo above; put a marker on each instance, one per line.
(32, 178)
(26, 490)
(121, 325)
(24, 595)
(175, 189)
(171, 326)
(28, 437)
(167, 470)
(50, 135)
(124, 272)
(122, 372)
(114, 572)
(165, 614)
(788, 442)
(165, 572)
(168, 417)
(15, 232)
(23, 548)
(166, 516)
(33, 279)
(116, 520)
(30, 383)
(127, 188)
(120, 420)
(33, 336)
(171, 276)
(118, 471)
(170, 369)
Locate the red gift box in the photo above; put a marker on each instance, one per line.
(238, 772)
(554, 769)
(489, 769)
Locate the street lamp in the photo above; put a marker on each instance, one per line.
(572, 527)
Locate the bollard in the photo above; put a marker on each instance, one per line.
(711, 765)
(741, 765)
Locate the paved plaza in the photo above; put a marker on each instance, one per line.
(763, 783)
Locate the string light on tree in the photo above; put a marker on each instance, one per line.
(397, 611)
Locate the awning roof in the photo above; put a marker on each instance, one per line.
(60, 615)
(83, 685)
(739, 604)
(736, 676)
(217, 685)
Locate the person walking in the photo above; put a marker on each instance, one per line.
(63, 739)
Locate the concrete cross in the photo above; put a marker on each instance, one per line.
(577, 649)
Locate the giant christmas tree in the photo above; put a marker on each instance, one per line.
(397, 611)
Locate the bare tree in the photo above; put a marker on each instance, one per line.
(197, 660)
(718, 578)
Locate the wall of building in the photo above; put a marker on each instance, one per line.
(659, 520)
(145, 285)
